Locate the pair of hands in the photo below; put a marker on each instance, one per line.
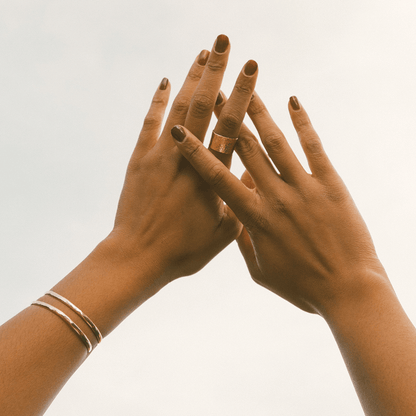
(300, 234)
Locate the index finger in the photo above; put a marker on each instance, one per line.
(229, 188)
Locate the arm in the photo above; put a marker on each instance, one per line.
(305, 240)
(169, 224)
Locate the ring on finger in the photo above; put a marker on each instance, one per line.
(222, 144)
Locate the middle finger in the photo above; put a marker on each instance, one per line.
(232, 115)
(206, 93)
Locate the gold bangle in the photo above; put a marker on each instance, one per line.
(78, 311)
(68, 321)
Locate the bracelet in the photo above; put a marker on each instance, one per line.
(78, 311)
(68, 321)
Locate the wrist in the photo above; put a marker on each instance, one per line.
(111, 283)
(368, 291)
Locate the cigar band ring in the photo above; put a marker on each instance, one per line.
(222, 144)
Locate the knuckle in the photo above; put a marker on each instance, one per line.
(180, 106)
(215, 66)
(151, 122)
(255, 220)
(302, 124)
(257, 108)
(337, 193)
(230, 121)
(194, 75)
(248, 147)
(274, 143)
(158, 101)
(201, 105)
(243, 88)
(194, 150)
(312, 145)
(216, 174)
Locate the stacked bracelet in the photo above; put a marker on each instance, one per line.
(69, 321)
(87, 320)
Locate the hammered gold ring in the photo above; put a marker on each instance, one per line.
(222, 144)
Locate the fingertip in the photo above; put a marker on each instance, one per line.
(220, 99)
(164, 84)
(219, 104)
(294, 103)
(298, 114)
(221, 44)
(202, 58)
(178, 133)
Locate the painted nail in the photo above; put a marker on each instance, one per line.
(178, 133)
(252, 97)
(294, 103)
(203, 58)
(220, 99)
(221, 43)
(250, 68)
(163, 85)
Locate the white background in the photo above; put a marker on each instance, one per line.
(76, 79)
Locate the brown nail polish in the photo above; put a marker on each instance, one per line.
(250, 68)
(252, 97)
(203, 58)
(220, 99)
(221, 43)
(178, 133)
(294, 103)
(164, 84)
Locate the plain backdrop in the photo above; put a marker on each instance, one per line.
(76, 79)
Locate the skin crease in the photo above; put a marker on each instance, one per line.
(304, 239)
(169, 223)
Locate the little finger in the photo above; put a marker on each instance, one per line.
(318, 160)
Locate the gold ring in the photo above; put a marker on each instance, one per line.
(222, 144)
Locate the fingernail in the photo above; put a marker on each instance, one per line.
(294, 103)
(250, 68)
(252, 97)
(163, 85)
(220, 99)
(178, 133)
(203, 58)
(221, 43)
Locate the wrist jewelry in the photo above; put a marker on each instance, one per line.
(68, 321)
(78, 311)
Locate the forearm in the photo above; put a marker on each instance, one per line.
(39, 352)
(378, 344)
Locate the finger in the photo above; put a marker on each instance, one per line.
(206, 93)
(234, 110)
(224, 183)
(153, 121)
(247, 180)
(274, 141)
(252, 155)
(318, 161)
(180, 106)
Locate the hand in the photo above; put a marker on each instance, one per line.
(165, 208)
(303, 236)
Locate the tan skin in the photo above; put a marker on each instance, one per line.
(305, 240)
(169, 224)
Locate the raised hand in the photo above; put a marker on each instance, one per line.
(165, 207)
(305, 240)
